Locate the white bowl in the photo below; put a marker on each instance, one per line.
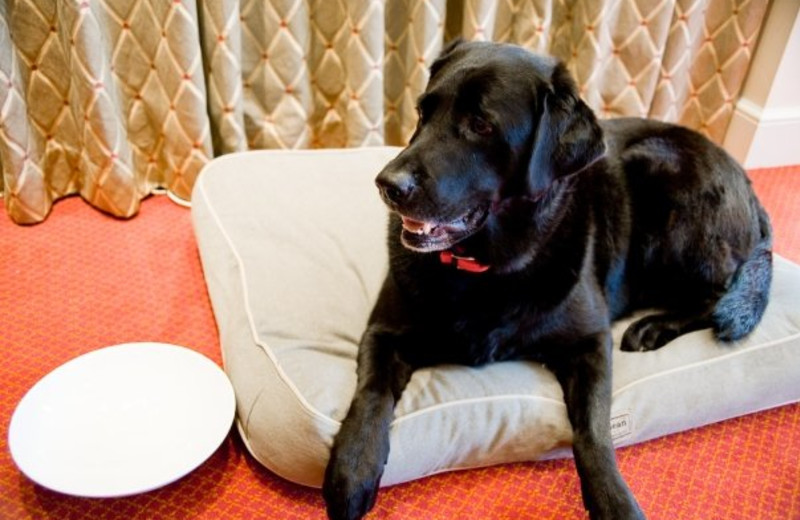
(122, 420)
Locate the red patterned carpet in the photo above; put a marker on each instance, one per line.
(82, 280)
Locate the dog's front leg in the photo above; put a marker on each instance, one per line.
(584, 372)
(361, 447)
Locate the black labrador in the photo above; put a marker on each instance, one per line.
(521, 228)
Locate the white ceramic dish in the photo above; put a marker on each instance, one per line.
(122, 420)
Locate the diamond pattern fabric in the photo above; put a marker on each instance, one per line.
(115, 99)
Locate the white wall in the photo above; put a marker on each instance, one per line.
(765, 128)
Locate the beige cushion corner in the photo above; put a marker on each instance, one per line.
(293, 249)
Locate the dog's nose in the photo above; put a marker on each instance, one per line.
(396, 186)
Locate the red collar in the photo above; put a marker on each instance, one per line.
(463, 263)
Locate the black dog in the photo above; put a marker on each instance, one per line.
(521, 228)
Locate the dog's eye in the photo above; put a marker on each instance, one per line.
(480, 126)
(422, 115)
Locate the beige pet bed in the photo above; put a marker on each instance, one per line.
(293, 248)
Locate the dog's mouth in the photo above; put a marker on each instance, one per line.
(432, 235)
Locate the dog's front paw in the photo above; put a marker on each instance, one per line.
(616, 503)
(350, 487)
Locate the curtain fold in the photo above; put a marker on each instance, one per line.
(114, 99)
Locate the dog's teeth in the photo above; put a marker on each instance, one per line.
(418, 227)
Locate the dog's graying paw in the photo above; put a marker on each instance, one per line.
(351, 485)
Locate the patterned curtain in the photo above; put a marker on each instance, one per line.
(116, 99)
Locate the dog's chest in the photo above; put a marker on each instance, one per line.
(484, 327)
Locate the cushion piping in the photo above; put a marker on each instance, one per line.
(476, 400)
(251, 322)
(705, 362)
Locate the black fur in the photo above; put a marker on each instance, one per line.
(579, 221)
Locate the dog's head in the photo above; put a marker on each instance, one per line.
(496, 122)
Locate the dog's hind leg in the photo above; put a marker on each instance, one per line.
(732, 306)
(656, 330)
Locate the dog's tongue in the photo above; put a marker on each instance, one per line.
(416, 226)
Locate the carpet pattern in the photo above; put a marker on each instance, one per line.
(83, 280)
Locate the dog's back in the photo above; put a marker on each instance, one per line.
(700, 242)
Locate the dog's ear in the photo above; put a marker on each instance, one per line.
(447, 51)
(568, 138)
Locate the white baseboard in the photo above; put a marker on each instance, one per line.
(764, 137)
